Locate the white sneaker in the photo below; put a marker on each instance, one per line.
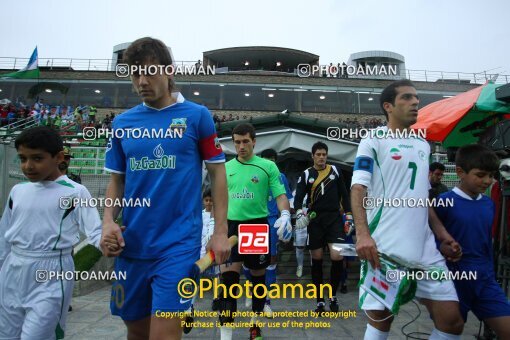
(226, 333)
(299, 271)
(247, 303)
(268, 312)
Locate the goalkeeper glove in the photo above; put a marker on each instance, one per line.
(301, 219)
(284, 227)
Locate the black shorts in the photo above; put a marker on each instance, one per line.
(251, 261)
(326, 227)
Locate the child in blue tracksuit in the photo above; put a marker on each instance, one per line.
(469, 221)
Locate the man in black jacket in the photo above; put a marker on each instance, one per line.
(324, 185)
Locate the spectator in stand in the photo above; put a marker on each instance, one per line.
(344, 73)
(237, 117)
(57, 123)
(106, 121)
(3, 116)
(39, 104)
(26, 112)
(11, 116)
(92, 114)
(64, 111)
(84, 116)
(217, 121)
(230, 118)
(78, 120)
(44, 118)
(52, 116)
(35, 115)
(223, 118)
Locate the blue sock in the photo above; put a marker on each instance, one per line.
(247, 273)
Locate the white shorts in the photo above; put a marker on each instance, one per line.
(300, 236)
(426, 289)
(31, 309)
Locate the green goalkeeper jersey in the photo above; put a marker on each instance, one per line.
(248, 187)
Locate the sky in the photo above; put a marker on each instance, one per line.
(448, 35)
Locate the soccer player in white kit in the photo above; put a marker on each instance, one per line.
(398, 168)
(38, 229)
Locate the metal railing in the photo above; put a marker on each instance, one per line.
(12, 129)
(17, 125)
(456, 77)
(77, 64)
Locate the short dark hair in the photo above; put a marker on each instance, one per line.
(146, 50)
(40, 137)
(436, 166)
(207, 193)
(389, 93)
(269, 153)
(318, 146)
(243, 129)
(476, 156)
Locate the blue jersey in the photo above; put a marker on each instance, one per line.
(470, 224)
(165, 166)
(272, 207)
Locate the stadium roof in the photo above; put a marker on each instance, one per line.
(259, 57)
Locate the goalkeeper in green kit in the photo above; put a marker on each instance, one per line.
(249, 179)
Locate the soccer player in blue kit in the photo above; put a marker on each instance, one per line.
(158, 245)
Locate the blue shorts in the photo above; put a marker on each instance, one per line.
(483, 296)
(151, 285)
(273, 240)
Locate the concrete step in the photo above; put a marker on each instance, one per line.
(287, 265)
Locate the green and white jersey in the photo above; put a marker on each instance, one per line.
(248, 187)
(396, 170)
(37, 217)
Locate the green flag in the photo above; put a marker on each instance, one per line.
(29, 71)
